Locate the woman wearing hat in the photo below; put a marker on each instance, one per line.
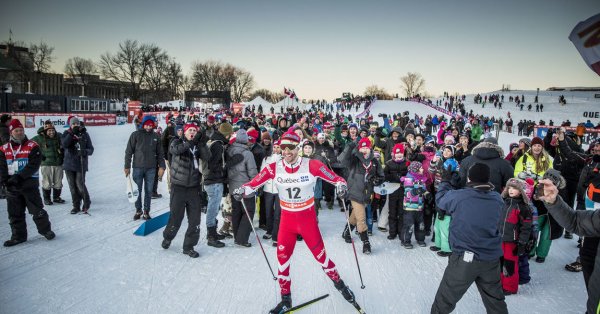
(52, 172)
(533, 164)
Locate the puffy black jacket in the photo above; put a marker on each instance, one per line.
(493, 156)
(184, 167)
(363, 175)
(393, 171)
(325, 153)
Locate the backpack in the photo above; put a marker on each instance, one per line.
(204, 164)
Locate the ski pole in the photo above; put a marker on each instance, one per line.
(258, 239)
(362, 285)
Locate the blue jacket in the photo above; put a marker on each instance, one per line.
(475, 211)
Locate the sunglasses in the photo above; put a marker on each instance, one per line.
(288, 146)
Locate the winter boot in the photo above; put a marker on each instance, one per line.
(407, 245)
(444, 254)
(13, 242)
(47, 200)
(346, 233)
(345, 291)
(284, 305)
(155, 195)
(138, 214)
(213, 238)
(364, 237)
(568, 235)
(224, 231)
(166, 244)
(434, 248)
(49, 235)
(75, 210)
(191, 253)
(56, 196)
(330, 205)
(146, 215)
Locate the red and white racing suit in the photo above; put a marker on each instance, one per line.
(296, 184)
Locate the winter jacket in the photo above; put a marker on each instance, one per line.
(585, 223)
(270, 186)
(212, 168)
(77, 149)
(146, 149)
(29, 159)
(364, 173)
(475, 211)
(168, 135)
(184, 162)
(569, 168)
(476, 133)
(527, 164)
(259, 154)
(414, 192)
(517, 218)
(4, 134)
(491, 155)
(394, 170)
(243, 171)
(325, 153)
(52, 152)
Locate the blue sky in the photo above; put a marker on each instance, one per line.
(324, 48)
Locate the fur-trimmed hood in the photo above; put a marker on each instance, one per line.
(519, 185)
(487, 150)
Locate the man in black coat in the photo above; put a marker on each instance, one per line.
(489, 153)
(185, 193)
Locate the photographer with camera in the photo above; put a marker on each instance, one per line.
(78, 146)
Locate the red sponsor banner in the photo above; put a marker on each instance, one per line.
(32, 120)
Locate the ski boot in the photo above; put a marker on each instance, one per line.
(345, 291)
(284, 305)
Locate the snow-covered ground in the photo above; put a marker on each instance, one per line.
(97, 265)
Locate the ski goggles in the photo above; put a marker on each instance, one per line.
(289, 147)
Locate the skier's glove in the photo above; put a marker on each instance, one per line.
(342, 190)
(238, 194)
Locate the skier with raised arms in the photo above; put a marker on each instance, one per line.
(295, 178)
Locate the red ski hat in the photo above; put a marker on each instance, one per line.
(327, 125)
(14, 124)
(187, 126)
(149, 122)
(253, 135)
(211, 118)
(398, 148)
(364, 142)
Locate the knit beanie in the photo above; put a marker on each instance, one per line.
(537, 140)
(188, 126)
(289, 138)
(14, 124)
(479, 173)
(241, 136)
(73, 120)
(451, 148)
(525, 141)
(364, 142)
(225, 128)
(398, 148)
(414, 166)
(252, 135)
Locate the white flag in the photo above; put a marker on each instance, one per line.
(586, 38)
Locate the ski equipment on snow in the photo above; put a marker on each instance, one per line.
(258, 239)
(305, 304)
(362, 285)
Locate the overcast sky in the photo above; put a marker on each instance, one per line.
(323, 48)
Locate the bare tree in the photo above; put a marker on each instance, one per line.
(216, 76)
(80, 69)
(380, 92)
(272, 97)
(412, 84)
(41, 56)
(130, 64)
(242, 85)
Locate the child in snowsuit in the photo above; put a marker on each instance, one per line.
(515, 228)
(414, 192)
(396, 168)
(442, 223)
